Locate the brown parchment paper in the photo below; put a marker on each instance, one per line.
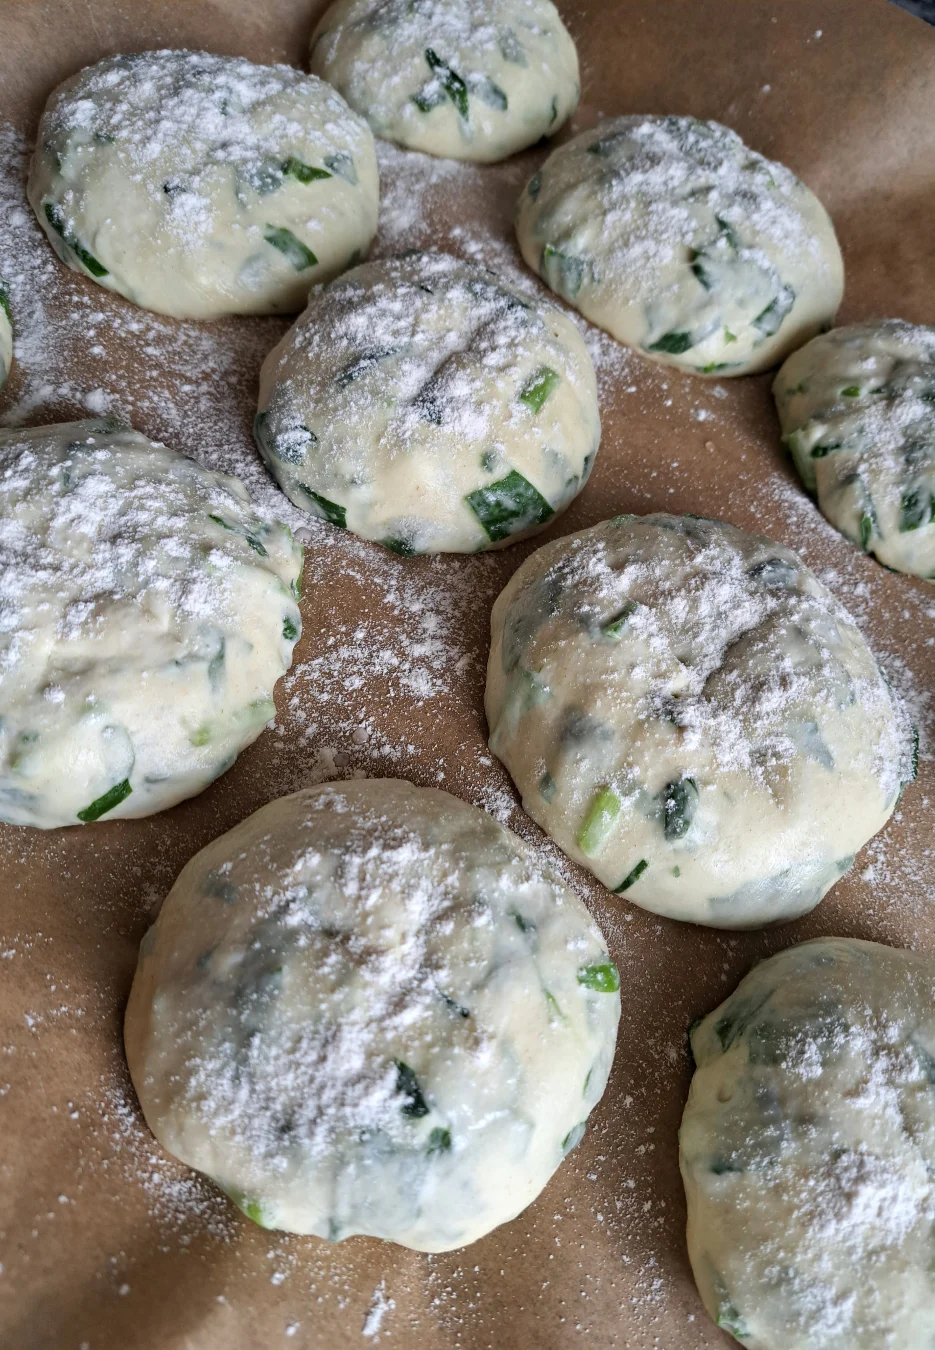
(107, 1244)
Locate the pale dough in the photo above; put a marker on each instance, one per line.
(371, 1009)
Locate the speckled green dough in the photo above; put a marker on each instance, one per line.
(807, 1149)
(681, 241)
(423, 403)
(857, 409)
(6, 333)
(199, 185)
(465, 79)
(147, 612)
(692, 716)
(371, 1009)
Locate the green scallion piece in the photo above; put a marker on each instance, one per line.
(599, 822)
(509, 505)
(407, 1086)
(540, 385)
(603, 979)
(101, 805)
(679, 803)
(298, 254)
(631, 877)
(304, 173)
(56, 218)
(451, 81)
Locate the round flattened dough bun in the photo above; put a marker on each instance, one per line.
(371, 1009)
(807, 1149)
(857, 409)
(465, 79)
(692, 716)
(681, 241)
(6, 333)
(200, 185)
(146, 611)
(423, 402)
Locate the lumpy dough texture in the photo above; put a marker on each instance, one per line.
(6, 333)
(681, 241)
(691, 715)
(370, 1009)
(807, 1149)
(200, 185)
(146, 611)
(466, 79)
(423, 402)
(857, 409)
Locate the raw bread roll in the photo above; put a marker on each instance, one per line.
(200, 185)
(857, 409)
(681, 241)
(423, 402)
(807, 1150)
(6, 333)
(370, 1009)
(691, 715)
(146, 611)
(466, 79)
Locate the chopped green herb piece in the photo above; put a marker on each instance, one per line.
(524, 925)
(700, 273)
(251, 1208)
(454, 1006)
(511, 49)
(200, 736)
(603, 979)
(718, 365)
(676, 871)
(730, 1319)
(362, 364)
(547, 786)
(305, 173)
(866, 531)
(330, 511)
(341, 164)
(534, 186)
(509, 505)
(5, 301)
(819, 451)
(403, 547)
(439, 1141)
(914, 755)
(916, 509)
(679, 803)
(568, 271)
(452, 82)
(599, 822)
(574, 1137)
(540, 385)
(429, 98)
(555, 1012)
(482, 87)
(672, 343)
(101, 805)
(407, 1085)
(289, 630)
(554, 109)
(852, 391)
(297, 253)
(615, 626)
(631, 877)
(56, 218)
(769, 320)
(729, 336)
(256, 545)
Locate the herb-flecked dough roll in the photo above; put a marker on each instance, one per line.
(424, 403)
(857, 409)
(371, 1009)
(692, 716)
(465, 79)
(683, 242)
(807, 1149)
(146, 612)
(199, 185)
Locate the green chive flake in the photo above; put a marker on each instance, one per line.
(679, 803)
(334, 513)
(298, 254)
(603, 979)
(539, 387)
(631, 877)
(452, 82)
(56, 218)
(673, 344)
(439, 1141)
(614, 627)
(101, 805)
(304, 173)
(289, 630)
(599, 822)
(509, 505)
(407, 1086)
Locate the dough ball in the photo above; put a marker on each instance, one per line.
(6, 333)
(423, 402)
(857, 409)
(680, 241)
(146, 611)
(693, 717)
(371, 1009)
(200, 185)
(466, 79)
(807, 1150)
